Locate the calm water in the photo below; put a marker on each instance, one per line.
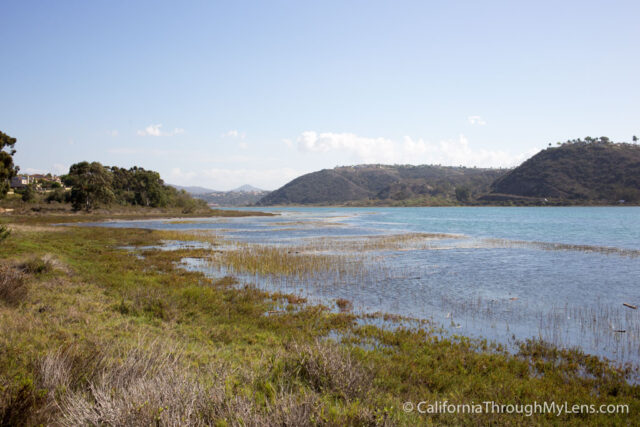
(475, 285)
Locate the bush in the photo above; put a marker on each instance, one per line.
(28, 194)
(326, 367)
(37, 265)
(58, 195)
(13, 287)
(4, 232)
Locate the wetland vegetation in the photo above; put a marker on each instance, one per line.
(99, 326)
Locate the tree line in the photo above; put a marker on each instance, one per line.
(93, 185)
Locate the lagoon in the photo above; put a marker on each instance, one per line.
(560, 274)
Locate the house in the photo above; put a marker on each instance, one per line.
(21, 181)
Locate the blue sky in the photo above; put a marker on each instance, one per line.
(220, 94)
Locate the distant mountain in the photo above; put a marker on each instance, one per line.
(247, 189)
(193, 190)
(385, 184)
(241, 196)
(576, 172)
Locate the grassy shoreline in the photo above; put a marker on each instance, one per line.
(86, 311)
(61, 213)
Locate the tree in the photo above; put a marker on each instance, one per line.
(90, 185)
(57, 195)
(29, 193)
(149, 188)
(635, 138)
(7, 169)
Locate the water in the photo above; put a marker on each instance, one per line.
(560, 274)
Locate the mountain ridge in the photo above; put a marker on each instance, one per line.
(346, 184)
(590, 171)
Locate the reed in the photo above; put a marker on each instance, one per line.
(281, 261)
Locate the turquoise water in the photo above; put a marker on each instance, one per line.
(605, 226)
(488, 282)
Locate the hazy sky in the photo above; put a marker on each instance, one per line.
(220, 94)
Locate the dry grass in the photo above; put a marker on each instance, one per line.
(146, 386)
(31, 228)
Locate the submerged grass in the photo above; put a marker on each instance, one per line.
(110, 338)
(550, 246)
(403, 241)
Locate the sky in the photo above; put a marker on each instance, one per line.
(224, 93)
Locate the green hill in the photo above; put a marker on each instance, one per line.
(385, 184)
(576, 172)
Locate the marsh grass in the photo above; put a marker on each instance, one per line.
(614, 330)
(282, 261)
(326, 268)
(404, 241)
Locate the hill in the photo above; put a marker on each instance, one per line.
(576, 172)
(247, 189)
(386, 184)
(193, 190)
